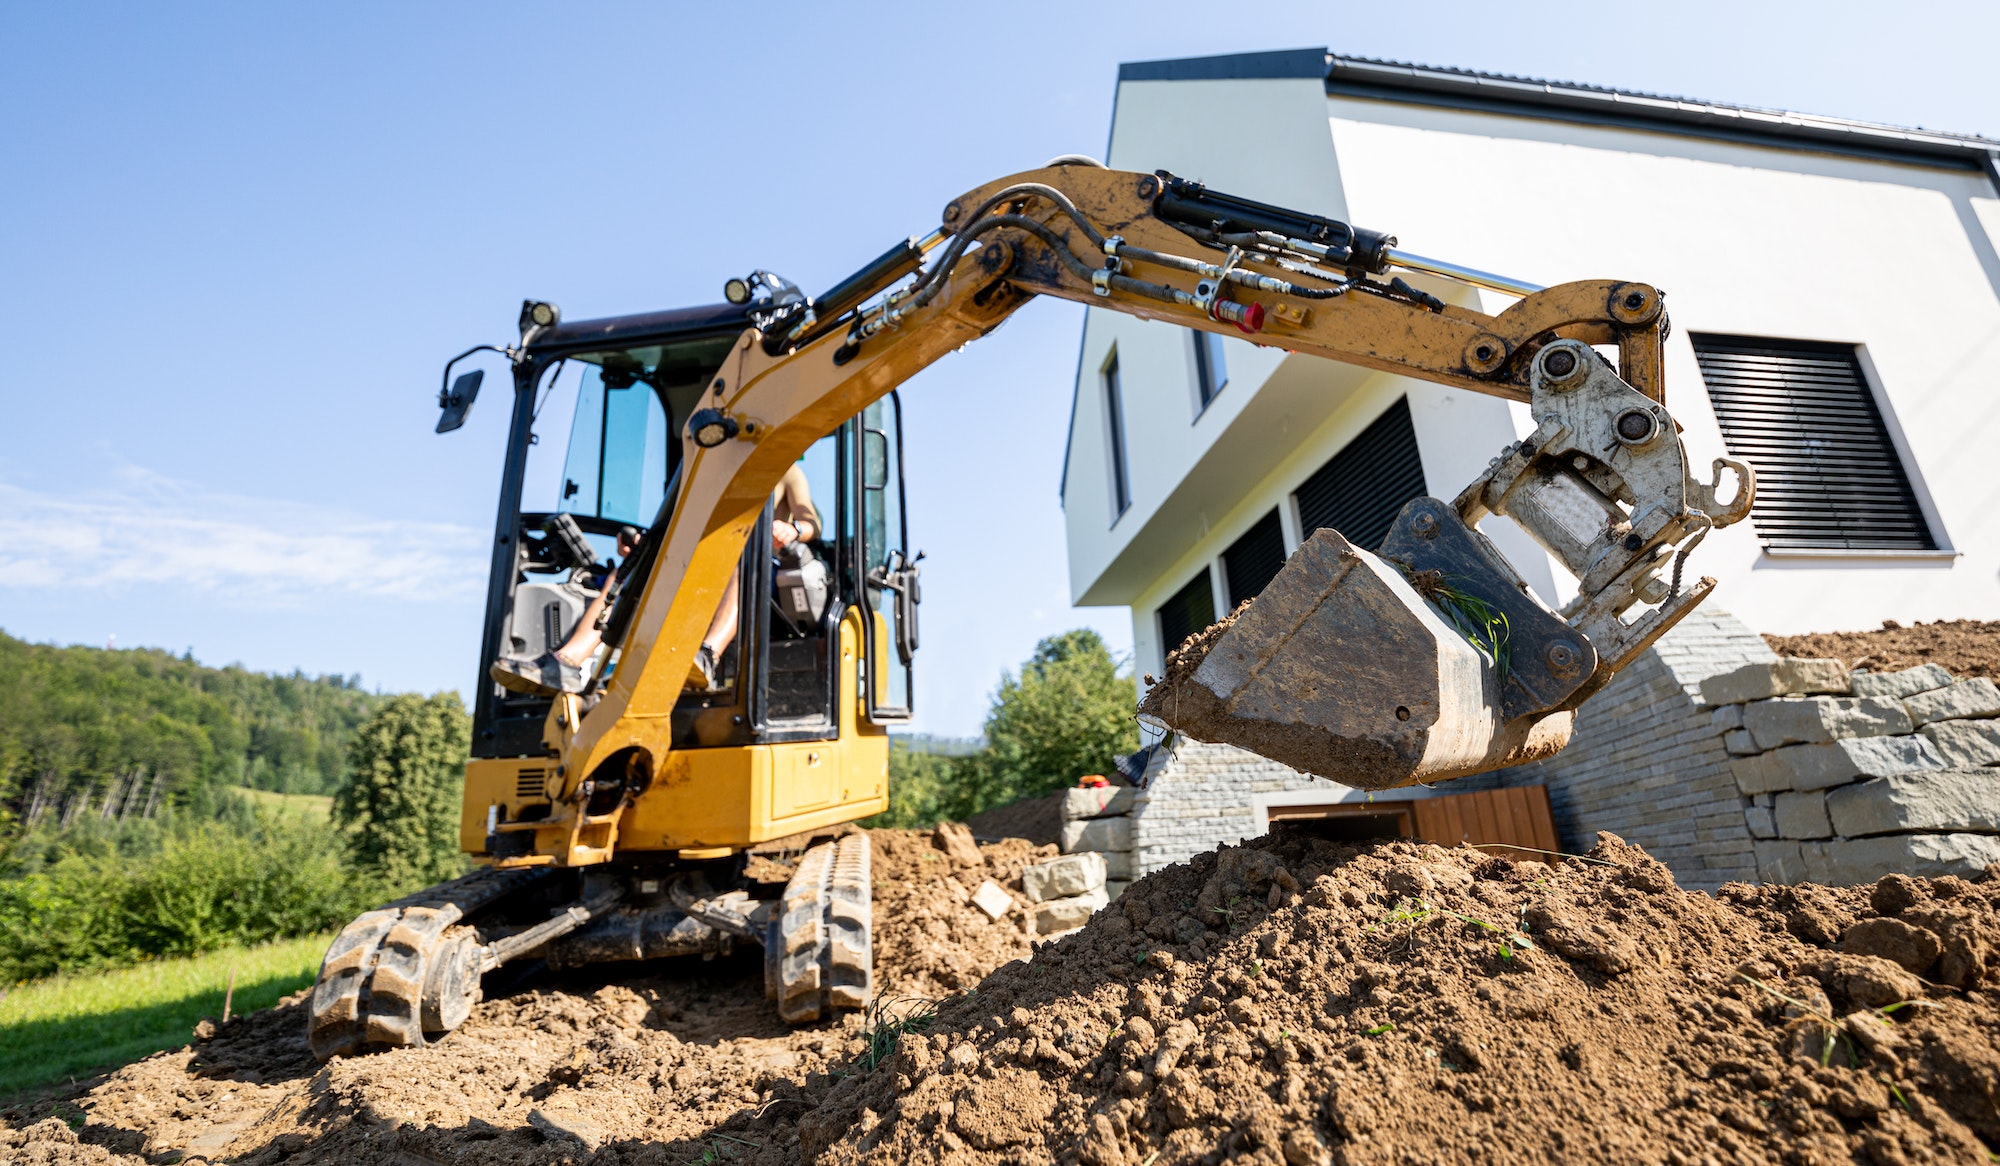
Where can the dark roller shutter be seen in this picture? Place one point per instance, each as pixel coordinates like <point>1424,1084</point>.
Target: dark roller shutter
<point>1828,477</point>
<point>1359,491</point>
<point>1191,609</point>
<point>1253,560</point>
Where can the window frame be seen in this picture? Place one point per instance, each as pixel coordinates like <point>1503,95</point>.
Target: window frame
<point>1894,449</point>
<point>1118,465</point>
<point>1206,347</point>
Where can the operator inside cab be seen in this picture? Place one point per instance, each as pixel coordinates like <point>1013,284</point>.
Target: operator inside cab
<point>800,575</point>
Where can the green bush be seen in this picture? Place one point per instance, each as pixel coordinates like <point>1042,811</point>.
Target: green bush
<point>1068,714</point>
<point>208,886</point>
<point>406,776</point>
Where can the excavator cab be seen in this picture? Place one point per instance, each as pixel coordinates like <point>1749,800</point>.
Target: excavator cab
<point>600,454</point>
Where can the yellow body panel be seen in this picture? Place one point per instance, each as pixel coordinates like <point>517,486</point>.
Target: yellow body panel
<point>723,797</point>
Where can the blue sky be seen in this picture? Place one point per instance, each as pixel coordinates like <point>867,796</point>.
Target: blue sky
<point>239,241</point>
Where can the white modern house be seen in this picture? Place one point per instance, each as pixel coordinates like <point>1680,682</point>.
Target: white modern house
<point>1834,290</point>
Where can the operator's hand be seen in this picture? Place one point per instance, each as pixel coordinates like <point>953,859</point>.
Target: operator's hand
<point>783,534</point>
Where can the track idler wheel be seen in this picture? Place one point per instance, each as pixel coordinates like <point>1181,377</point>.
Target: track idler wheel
<point>819,955</point>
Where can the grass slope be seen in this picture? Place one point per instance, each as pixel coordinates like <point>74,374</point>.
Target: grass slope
<point>71,1026</point>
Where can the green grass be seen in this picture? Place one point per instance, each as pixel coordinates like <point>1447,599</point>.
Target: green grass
<point>314,807</point>
<point>71,1026</point>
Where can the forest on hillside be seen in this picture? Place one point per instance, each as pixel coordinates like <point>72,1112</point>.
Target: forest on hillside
<point>126,734</point>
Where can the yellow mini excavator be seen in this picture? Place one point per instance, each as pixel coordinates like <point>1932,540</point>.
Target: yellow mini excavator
<point>721,534</point>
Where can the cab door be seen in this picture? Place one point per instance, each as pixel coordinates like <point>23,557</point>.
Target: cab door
<point>887,584</point>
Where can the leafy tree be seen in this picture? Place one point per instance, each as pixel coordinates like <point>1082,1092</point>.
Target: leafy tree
<point>401,801</point>
<point>1068,714</point>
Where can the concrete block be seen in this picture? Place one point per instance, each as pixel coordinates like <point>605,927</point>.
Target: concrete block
<point>1808,767</point>
<point>1097,834</point>
<point>1810,720</point>
<point>1729,716</point>
<point>1761,822</point>
<point>1965,744</point>
<point>1846,862</point>
<point>1072,874</point>
<point>1909,682</point>
<point>992,899</point>
<point>1117,864</point>
<point>1116,887</point>
<point>1738,742</point>
<point>1778,861</point>
<point>1802,815</point>
<point>1968,698</point>
<point>1949,799</point>
<point>1067,914</point>
<point>1771,678</point>
<point>1097,802</point>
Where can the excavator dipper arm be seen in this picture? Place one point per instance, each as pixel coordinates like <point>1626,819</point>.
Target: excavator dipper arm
<point>1428,660</point>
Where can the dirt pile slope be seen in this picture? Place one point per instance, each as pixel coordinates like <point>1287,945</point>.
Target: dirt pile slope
<point>1966,647</point>
<point>631,1063</point>
<point>1302,1002</point>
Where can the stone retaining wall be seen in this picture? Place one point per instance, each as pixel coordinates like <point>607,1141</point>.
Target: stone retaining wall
<point>1844,777</point>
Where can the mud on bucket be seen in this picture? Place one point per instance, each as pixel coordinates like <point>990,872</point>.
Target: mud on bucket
<point>1341,669</point>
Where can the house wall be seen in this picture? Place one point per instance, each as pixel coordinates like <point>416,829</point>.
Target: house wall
<point>1796,244</point>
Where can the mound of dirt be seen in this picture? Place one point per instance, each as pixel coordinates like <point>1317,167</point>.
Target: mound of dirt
<point>1966,647</point>
<point>1297,1001</point>
<point>1038,820</point>
<point>1289,1001</point>
<point>633,1062</point>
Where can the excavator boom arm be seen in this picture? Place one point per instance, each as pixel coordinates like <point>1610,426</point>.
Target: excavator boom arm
<point>1161,248</point>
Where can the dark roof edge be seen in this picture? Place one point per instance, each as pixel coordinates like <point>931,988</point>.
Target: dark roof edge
<point>1358,76</point>
<point>1301,63</point>
<point>1491,92</point>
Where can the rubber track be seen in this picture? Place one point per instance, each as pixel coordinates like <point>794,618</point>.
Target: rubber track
<point>370,988</point>
<point>825,932</point>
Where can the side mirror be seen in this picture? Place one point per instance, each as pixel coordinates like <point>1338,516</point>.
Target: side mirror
<point>456,402</point>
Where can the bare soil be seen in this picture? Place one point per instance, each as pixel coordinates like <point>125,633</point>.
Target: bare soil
<point>646,1061</point>
<point>1291,1000</point>
<point>1966,647</point>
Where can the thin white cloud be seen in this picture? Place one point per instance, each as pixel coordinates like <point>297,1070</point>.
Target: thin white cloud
<point>140,529</point>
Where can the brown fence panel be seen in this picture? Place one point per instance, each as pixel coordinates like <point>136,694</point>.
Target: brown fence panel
<point>1495,820</point>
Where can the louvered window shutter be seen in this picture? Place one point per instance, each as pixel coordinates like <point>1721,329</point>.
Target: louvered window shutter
<point>1191,609</point>
<point>1360,490</point>
<point>1800,412</point>
<point>1254,560</point>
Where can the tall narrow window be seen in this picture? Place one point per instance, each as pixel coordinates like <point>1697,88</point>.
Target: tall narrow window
<point>1186,612</point>
<point>1114,429</point>
<point>1361,489</point>
<point>1211,366</point>
<point>1801,414</point>
<point>1254,560</point>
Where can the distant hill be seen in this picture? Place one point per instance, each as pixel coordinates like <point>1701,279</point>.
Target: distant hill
<point>931,743</point>
<point>126,733</point>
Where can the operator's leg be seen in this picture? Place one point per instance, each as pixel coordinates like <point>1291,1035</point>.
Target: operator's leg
<point>721,634</point>
<point>585,639</point>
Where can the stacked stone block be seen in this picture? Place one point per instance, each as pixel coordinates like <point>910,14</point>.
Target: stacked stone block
<point>1098,820</point>
<point>1847,777</point>
<point>1065,891</point>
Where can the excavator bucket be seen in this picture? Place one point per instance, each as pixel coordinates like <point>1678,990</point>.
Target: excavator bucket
<point>1427,661</point>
